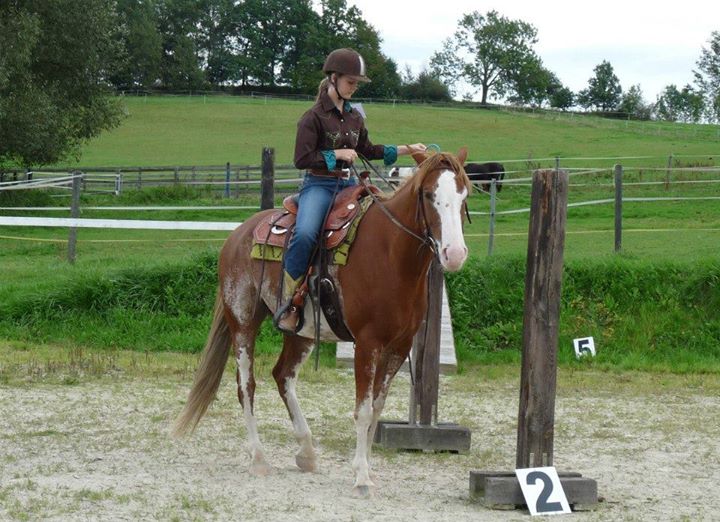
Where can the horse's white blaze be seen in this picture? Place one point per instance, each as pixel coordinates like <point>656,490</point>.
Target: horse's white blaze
<point>448,204</point>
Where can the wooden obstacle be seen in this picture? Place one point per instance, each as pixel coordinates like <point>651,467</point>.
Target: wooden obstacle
<point>433,351</point>
<point>536,417</point>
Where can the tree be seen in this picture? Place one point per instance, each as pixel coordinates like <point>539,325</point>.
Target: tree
<point>562,98</point>
<point>603,92</point>
<point>181,24</point>
<point>707,77</point>
<point>424,87</point>
<point>633,104</point>
<point>486,51</point>
<point>139,65</point>
<point>531,83</point>
<point>54,93</point>
<point>684,105</point>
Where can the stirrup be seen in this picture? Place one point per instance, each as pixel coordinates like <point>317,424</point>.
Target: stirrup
<point>287,309</point>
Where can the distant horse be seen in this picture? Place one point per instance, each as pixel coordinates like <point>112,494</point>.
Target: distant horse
<point>384,300</point>
<point>397,175</point>
<point>485,172</point>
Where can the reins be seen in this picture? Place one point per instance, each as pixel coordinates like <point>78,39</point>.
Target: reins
<point>426,240</point>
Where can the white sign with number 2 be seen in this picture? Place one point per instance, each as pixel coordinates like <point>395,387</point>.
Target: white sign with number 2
<point>543,491</point>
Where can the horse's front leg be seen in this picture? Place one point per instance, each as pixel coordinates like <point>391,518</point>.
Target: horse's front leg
<point>365,365</point>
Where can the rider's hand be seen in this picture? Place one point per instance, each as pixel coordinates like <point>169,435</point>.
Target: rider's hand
<point>346,155</point>
<point>411,149</point>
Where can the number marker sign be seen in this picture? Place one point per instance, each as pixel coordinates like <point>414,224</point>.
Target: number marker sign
<point>584,346</point>
<point>543,491</point>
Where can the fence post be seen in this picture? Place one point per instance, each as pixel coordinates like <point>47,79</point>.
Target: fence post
<point>618,207</point>
<point>227,179</point>
<point>139,178</point>
<point>541,319</point>
<point>74,213</point>
<point>118,182</point>
<point>667,172</point>
<point>267,199</point>
<point>493,198</point>
<point>176,175</point>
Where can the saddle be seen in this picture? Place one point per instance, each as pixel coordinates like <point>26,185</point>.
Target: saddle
<point>273,230</point>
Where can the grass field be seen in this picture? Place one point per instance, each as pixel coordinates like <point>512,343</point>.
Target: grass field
<point>197,130</point>
<point>214,130</point>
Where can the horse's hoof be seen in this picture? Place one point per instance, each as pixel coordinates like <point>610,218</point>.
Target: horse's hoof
<point>361,492</point>
<point>260,469</point>
<point>306,464</point>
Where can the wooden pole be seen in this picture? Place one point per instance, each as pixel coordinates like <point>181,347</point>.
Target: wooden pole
<point>618,207</point>
<point>227,179</point>
<point>426,355</point>
<point>74,213</point>
<point>546,239</point>
<point>667,172</point>
<point>268,178</point>
<point>493,199</point>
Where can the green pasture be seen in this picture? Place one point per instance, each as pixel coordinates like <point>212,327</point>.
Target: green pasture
<point>152,290</point>
<point>212,130</point>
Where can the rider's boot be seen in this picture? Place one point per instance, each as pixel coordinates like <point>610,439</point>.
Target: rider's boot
<point>287,316</point>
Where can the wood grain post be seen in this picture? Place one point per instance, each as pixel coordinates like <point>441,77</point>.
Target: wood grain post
<point>667,172</point>
<point>546,239</point>
<point>74,213</point>
<point>426,355</point>
<point>493,200</point>
<point>618,207</point>
<point>267,199</point>
<point>227,179</point>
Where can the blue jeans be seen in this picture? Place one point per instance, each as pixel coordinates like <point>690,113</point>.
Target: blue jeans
<point>315,198</point>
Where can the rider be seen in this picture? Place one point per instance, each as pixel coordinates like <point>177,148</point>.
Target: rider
<point>329,137</point>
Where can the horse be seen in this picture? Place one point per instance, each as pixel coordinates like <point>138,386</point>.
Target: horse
<point>486,172</point>
<point>383,289</point>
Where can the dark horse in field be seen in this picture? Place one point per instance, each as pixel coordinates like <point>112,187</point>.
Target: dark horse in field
<point>485,173</point>
<point>383,288</point>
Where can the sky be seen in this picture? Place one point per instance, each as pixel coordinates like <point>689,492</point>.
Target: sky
<point>653,44</point>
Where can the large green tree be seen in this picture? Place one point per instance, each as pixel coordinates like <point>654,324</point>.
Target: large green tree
<point>685,105</point>
<point>486,51</point>
<point>707,77</point>
<point>604,91</point>
<point>54,93</point>
<point>140,63</point>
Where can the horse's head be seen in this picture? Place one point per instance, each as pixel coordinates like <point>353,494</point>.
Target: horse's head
<point>443,187</point>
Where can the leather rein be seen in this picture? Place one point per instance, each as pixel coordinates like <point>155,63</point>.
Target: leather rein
<point>427,239</point>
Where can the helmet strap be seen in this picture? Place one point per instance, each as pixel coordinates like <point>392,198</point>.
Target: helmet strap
<point>334,84</point>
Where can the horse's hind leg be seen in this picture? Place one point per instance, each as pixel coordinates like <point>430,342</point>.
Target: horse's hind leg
<point>244,346</point>
<point>295,351</point>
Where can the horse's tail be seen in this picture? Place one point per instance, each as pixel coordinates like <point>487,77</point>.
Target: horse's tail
<point>209,373</point>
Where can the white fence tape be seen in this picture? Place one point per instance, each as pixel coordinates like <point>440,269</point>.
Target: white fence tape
<point>116,223</point>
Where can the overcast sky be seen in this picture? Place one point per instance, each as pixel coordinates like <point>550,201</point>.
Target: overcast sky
<point>651,44</point>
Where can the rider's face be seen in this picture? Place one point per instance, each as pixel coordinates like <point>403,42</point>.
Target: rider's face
<point>346,85</point>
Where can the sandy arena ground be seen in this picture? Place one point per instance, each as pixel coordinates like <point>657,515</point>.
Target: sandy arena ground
<point>98,449</point>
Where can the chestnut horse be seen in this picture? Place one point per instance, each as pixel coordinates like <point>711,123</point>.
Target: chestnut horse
<point>383,288</point>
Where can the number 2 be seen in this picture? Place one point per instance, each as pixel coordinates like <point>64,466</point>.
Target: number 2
<point>542,505</point>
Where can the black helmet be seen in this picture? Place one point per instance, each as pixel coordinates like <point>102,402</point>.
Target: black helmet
<point>346,61</point>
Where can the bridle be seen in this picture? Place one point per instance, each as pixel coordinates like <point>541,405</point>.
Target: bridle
<point>427,239</point>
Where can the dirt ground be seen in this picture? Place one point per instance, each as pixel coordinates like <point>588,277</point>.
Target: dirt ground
<point>98,449</point>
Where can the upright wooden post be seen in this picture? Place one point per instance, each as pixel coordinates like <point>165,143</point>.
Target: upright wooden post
<point>536,412</point>
<point>618,207</point>
<point>426,355</point>
<point>267,199</point>
<point>546,241</point>
<point>227,179</point>
<point>493,199</point>
<point>667,172</point>
<point>74,213</point>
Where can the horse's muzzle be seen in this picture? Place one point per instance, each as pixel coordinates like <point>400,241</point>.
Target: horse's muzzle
<point>452,258</point>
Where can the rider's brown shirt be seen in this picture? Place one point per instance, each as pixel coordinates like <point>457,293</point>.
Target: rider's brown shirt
<point>323,128</point>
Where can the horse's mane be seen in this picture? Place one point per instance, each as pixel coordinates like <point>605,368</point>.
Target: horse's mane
<point>436,161</point>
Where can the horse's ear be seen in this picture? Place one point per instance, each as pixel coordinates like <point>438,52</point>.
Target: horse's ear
<point>462,155</point>
<point>419,157</point>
